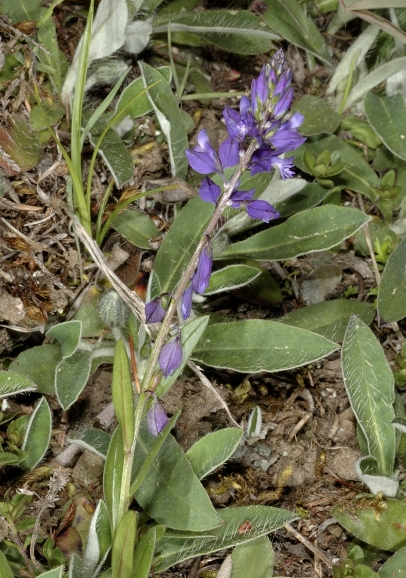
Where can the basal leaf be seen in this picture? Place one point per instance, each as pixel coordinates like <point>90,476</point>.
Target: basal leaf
<point>387,116</point>
<point>392,289</point>
<point>13,383</point>
<point>37,435</point>
<point>287,18</point>
<point>313,230</point>
<point>116,156</point>
<point>245,558</point>
<point>329,318</point>
<point>169,116</point>
<point>231,277</point>
<point>237,31</point>
<point>256,345</point>
<point>172,549</point>
<point>39,365</point>
<point>370,388</point>
<point>68,334</point>
<point>319,117</point>
<point>213,450</point>
<point>71,376</point>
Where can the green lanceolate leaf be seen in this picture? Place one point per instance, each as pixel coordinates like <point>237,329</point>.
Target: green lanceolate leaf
<point>313,230</point>
<point>144,554</point>
<point>256,345</point>
<point>245,559</point>
<point>329,318</point>
<point>231,277</point>
<point>171,493</point>
<point>112,476</point>
<point>37,435</point>
<point>287,18</point>
<point>68,334</point>
<point>179,245</point>
<point>169,116</point>
<point>319,117</point>
<point>370,387</point>
<point>236,31</point>
<point>307,197</point>
<point>122,553</point>
<point>123,397</point>
<point>384,531</point>
<point>357,175</point>
<point>387,116</point>
<point>392,289</point>
<point>190,334</point>
<point>137,227</point>
<point>262,520</point>
<point>213,450</point>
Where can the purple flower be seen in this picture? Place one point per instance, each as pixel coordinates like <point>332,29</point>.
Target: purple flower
<point>240,125</point>
<point>256,209</point>
<point>186,302</point>
<point>204,159</point>
<point>286,137</point>
<point>209,191</point>
<point>154,312</point>
<point>201,278</point>
<point>156,417</point>
<point>261,210</point>
<point>171,356</point>
<point>265,159</point>
<point>283,104</point>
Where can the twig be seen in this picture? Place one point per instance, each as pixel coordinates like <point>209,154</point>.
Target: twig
<point>30,242</point>
<point>207,384</point>
<point>129,297</point>
<point>316,551</point>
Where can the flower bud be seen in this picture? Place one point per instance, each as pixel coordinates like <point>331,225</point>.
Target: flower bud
<point>112,310</point>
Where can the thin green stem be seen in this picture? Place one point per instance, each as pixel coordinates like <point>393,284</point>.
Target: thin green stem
<point>185,77</point>
<point>76,126</point>
<point>183,283</point>
<point>174,73</point>
<point>102,208</point>
<point>125,494</point>
<point>211,95</point>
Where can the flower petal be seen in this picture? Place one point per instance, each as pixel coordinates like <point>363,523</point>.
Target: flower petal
<point>154,312</point>
<point>170,357</point>
<point>209,191</point>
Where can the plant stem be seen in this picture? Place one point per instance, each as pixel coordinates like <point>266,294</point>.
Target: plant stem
<point>125,494</point>
<point>184,281</point>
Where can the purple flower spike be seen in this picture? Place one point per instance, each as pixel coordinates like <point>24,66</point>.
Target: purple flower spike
<point>203,158</point>
<point>201,279</point>
<point>154,312</point>
<point>171,356</point>
<point>186,303</point>
<point>261,210</point>
<point>209,191</point>
<point>156,417</point>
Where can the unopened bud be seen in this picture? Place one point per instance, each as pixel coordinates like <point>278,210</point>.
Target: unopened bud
<point>112,310</point>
